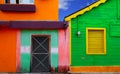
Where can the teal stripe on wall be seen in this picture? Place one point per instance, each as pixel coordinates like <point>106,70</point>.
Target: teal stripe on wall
<point>25,62</point>
<point>26,44</point>
<point>26,34</point>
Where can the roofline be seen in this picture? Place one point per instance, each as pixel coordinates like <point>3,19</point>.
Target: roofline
<point>82,11</point>
<point>34,24</point>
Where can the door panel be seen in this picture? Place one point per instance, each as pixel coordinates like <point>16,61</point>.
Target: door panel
<point>40,61</point>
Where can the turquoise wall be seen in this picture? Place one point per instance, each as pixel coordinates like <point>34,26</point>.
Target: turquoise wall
<point>26,44</point>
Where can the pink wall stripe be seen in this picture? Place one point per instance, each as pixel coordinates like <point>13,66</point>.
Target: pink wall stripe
<point>63,50</point>
<point>68,47</point>
<point>18,52</point>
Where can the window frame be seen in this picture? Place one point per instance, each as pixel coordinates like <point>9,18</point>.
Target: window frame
<point>6,1</point>
<point>18,2</point>
<point>87,30</point>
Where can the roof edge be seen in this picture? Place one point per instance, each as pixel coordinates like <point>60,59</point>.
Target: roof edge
<point>80,12</point>
<point>34,24</point>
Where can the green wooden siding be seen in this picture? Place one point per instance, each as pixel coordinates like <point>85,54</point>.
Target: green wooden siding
<point>100,17</point>
<point>118,3</point>
<point>26,44</point>
<point>115,30</point>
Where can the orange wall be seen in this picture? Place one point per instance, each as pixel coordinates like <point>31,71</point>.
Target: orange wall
<point>45,10</point>
<point>8,50</point>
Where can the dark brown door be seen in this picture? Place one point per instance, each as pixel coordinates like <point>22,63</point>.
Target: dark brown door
<point>40,56</point>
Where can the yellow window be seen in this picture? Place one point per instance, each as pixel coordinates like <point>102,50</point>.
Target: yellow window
<point>96,41</point>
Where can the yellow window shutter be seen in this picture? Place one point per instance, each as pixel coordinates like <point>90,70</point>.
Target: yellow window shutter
<point>96,41</point>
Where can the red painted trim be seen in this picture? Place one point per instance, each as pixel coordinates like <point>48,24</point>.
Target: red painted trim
<point>18,52</point>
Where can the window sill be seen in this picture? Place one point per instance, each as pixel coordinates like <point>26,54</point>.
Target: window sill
<point>17,8</point>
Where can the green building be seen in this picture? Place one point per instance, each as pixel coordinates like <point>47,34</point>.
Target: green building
<point>95,37</point>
